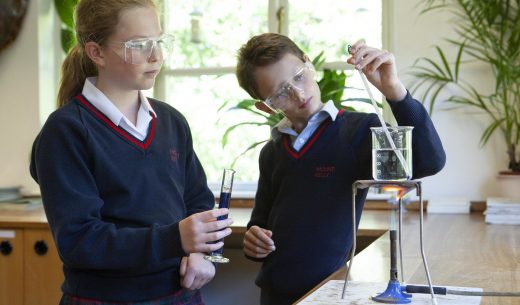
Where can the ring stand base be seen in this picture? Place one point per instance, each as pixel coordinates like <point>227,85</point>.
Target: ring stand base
<point>393,294</point>
<point>217,258</point>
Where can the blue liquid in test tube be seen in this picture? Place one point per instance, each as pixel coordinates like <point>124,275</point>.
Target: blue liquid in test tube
<point>225,196</point>
<point>224,203</point>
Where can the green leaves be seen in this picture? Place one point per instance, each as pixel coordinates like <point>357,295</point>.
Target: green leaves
<point>332,85</point>
<point>65,9</point>
<point>489,33</point>
<point>68,39</point>
<point>435,76</point>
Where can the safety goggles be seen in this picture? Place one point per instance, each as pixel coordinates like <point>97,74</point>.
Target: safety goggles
<point>294,87</point>
<point>139,51</point>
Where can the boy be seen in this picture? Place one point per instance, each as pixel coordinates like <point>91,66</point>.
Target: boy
<point>300,225</point>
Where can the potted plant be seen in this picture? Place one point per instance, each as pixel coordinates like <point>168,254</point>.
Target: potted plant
<point>332,87</point>
<point>489,33</point>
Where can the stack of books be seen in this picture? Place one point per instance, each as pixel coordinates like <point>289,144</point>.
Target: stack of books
<point>11,199</point>
<point>448,205</point>
<point>9,193</point>
<point>24,204</point>
<point>503,211</point>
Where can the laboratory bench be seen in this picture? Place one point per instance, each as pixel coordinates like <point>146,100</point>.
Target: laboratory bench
<point>31,272</point>
<point>461,250</point>
<point>30,268</point>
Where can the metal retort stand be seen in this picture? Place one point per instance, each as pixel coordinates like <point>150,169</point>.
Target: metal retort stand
<point>394,293</point>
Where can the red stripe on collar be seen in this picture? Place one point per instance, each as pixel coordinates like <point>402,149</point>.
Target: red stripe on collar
<point>119,130</point>
<point>308,145</point>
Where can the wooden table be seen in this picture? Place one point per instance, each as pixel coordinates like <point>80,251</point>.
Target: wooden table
<point>462,250</point>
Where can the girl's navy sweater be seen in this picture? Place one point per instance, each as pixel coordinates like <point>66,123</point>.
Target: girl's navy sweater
<point>114,202</point>
<point>305,197</point>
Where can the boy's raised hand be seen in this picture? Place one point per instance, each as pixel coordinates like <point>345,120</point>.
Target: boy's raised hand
<point>380,69</point>
<point>201,228</point>
<point>258,242</point>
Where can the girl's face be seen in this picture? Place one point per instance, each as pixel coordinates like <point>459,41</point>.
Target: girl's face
<point>136,24</point>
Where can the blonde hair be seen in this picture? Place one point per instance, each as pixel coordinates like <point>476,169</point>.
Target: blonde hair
<point>95,21</point>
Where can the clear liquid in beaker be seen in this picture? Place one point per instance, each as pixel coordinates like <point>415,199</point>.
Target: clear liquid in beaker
<point>387,166</point>
<point>392,160</point>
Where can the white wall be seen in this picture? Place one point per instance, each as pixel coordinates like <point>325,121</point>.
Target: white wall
<point>470,171</point>
<point>29,72</point>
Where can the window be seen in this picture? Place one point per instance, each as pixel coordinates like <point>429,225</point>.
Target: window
<point>199,79</point>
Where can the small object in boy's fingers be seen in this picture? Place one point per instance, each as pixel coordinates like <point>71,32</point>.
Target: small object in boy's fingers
<point>349,49</point>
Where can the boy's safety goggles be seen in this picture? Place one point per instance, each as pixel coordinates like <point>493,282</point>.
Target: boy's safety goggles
<point>294,87</point>
<point>140,50</point>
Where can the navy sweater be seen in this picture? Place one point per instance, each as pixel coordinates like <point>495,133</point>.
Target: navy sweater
<point>305,197</point>
<point>114,202</point>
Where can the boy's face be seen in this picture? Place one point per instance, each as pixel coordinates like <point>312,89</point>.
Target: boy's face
<point>289,86</point>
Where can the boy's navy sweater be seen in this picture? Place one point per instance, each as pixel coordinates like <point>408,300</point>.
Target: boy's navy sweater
<point>114,202</point>
<point>305,197</point>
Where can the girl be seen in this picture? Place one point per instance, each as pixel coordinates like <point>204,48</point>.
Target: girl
<point>124,193</point>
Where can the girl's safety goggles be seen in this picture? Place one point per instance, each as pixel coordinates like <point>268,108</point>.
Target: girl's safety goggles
<point>139,51</point>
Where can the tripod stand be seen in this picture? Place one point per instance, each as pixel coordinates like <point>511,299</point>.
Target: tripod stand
<point>393,294</point>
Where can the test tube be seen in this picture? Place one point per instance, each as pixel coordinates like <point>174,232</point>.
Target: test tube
<point>225,195</point>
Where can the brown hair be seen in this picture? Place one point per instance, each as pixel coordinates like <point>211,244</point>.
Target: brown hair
<point>262,50</point>
<point>95,21</point>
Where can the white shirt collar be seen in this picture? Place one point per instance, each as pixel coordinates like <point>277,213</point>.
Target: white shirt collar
<point>330,109</point>
<point>285,126</point>
<point>103,104</point>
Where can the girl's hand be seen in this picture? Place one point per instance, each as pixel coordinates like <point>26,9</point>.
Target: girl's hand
<point>199,229</point>
<point>380,69</point>
<point>195,271</point>
<point>258,242</point>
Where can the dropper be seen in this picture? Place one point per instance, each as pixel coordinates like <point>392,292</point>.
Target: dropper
<point>381,120</point>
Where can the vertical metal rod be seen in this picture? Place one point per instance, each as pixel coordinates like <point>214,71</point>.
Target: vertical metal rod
<point>393,256</point>
<point>400,240</point>
<point>434,300</point>
<point>353,250</point>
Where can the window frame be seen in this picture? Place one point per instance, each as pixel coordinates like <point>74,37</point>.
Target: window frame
<point>278,12</point>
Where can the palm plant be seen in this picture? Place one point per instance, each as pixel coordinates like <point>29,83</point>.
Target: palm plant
<point>331,84</point>
<point>489,33</point>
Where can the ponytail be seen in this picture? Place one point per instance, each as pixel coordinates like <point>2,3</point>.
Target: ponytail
<point>75,69</point>
<point>95,20</point>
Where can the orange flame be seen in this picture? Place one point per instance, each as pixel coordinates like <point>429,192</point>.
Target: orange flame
<point>401,191</point>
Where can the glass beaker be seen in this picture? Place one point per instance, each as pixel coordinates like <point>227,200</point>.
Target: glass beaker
<point>392,161</point>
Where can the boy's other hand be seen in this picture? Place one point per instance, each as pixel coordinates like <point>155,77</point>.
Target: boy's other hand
<point>379,66</point>
<point>258,242</point>
<point>195,271</point>
<point>201,228</point>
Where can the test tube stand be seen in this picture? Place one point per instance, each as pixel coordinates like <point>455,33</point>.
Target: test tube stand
<point>406,186</point>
